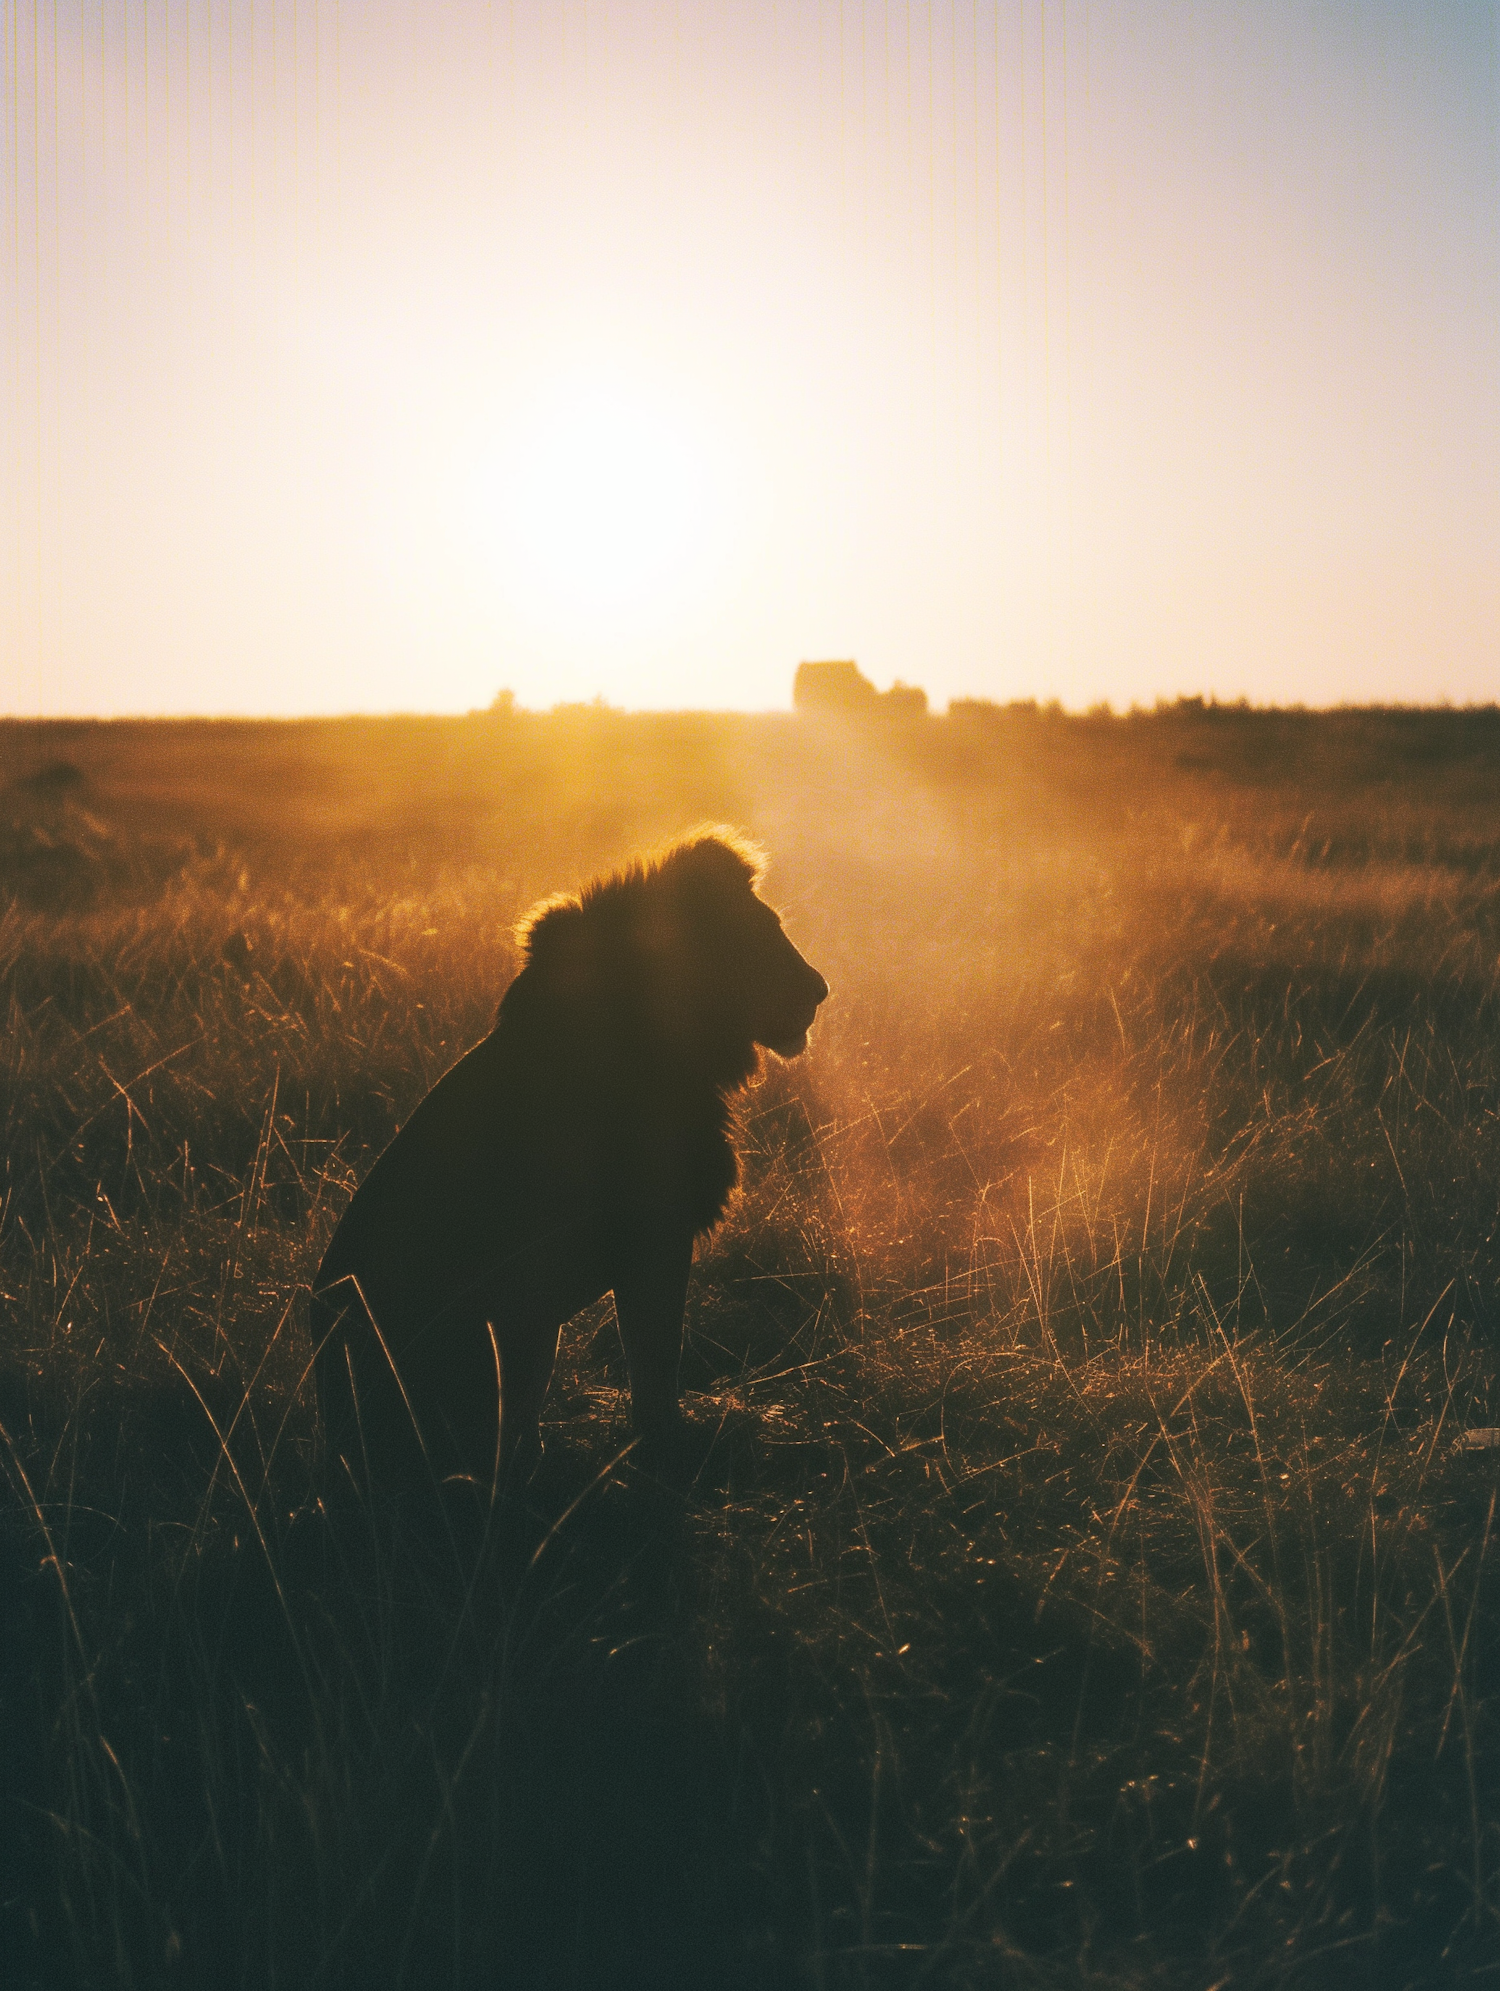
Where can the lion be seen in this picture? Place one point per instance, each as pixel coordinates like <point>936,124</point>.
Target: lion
<point>581,1148</point>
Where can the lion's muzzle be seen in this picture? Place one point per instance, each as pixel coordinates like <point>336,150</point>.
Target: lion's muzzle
<point>788,1039</point>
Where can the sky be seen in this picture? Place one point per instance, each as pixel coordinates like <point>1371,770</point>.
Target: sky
<point>377,355</point>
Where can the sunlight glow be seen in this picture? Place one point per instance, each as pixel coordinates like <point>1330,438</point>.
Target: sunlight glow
<point>598,502</point>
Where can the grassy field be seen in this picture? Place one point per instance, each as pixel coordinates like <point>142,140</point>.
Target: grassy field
<point>1093,1576</point>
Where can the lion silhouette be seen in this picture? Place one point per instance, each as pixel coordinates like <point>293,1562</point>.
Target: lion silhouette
<point>579,1149</point>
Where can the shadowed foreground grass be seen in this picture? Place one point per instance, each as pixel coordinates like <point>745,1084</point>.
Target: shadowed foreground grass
<point>1091,1573</point>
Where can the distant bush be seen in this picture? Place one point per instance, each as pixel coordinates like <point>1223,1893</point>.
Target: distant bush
<point>841,689</point>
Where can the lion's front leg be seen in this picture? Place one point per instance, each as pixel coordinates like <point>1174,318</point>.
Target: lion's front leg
<point>649,1302</point>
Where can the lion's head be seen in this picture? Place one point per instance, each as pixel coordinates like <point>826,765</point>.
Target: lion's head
<point>679,950</point>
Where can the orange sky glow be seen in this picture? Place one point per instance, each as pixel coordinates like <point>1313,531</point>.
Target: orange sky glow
<point>371,355</point>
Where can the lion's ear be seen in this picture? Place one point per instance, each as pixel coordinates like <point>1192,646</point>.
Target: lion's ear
<point>556,942</point>
<point>543,919</point>
<point>718,858</point>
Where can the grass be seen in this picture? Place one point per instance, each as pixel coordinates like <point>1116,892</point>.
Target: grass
<point>1087,1583</point>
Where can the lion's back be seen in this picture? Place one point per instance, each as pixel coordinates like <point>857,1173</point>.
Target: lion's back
<point>456,1154</point>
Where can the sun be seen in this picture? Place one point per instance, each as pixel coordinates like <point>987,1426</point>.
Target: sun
<point>598,502</point>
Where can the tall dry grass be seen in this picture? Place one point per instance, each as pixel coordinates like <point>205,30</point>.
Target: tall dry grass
<point>1088,1580</point>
